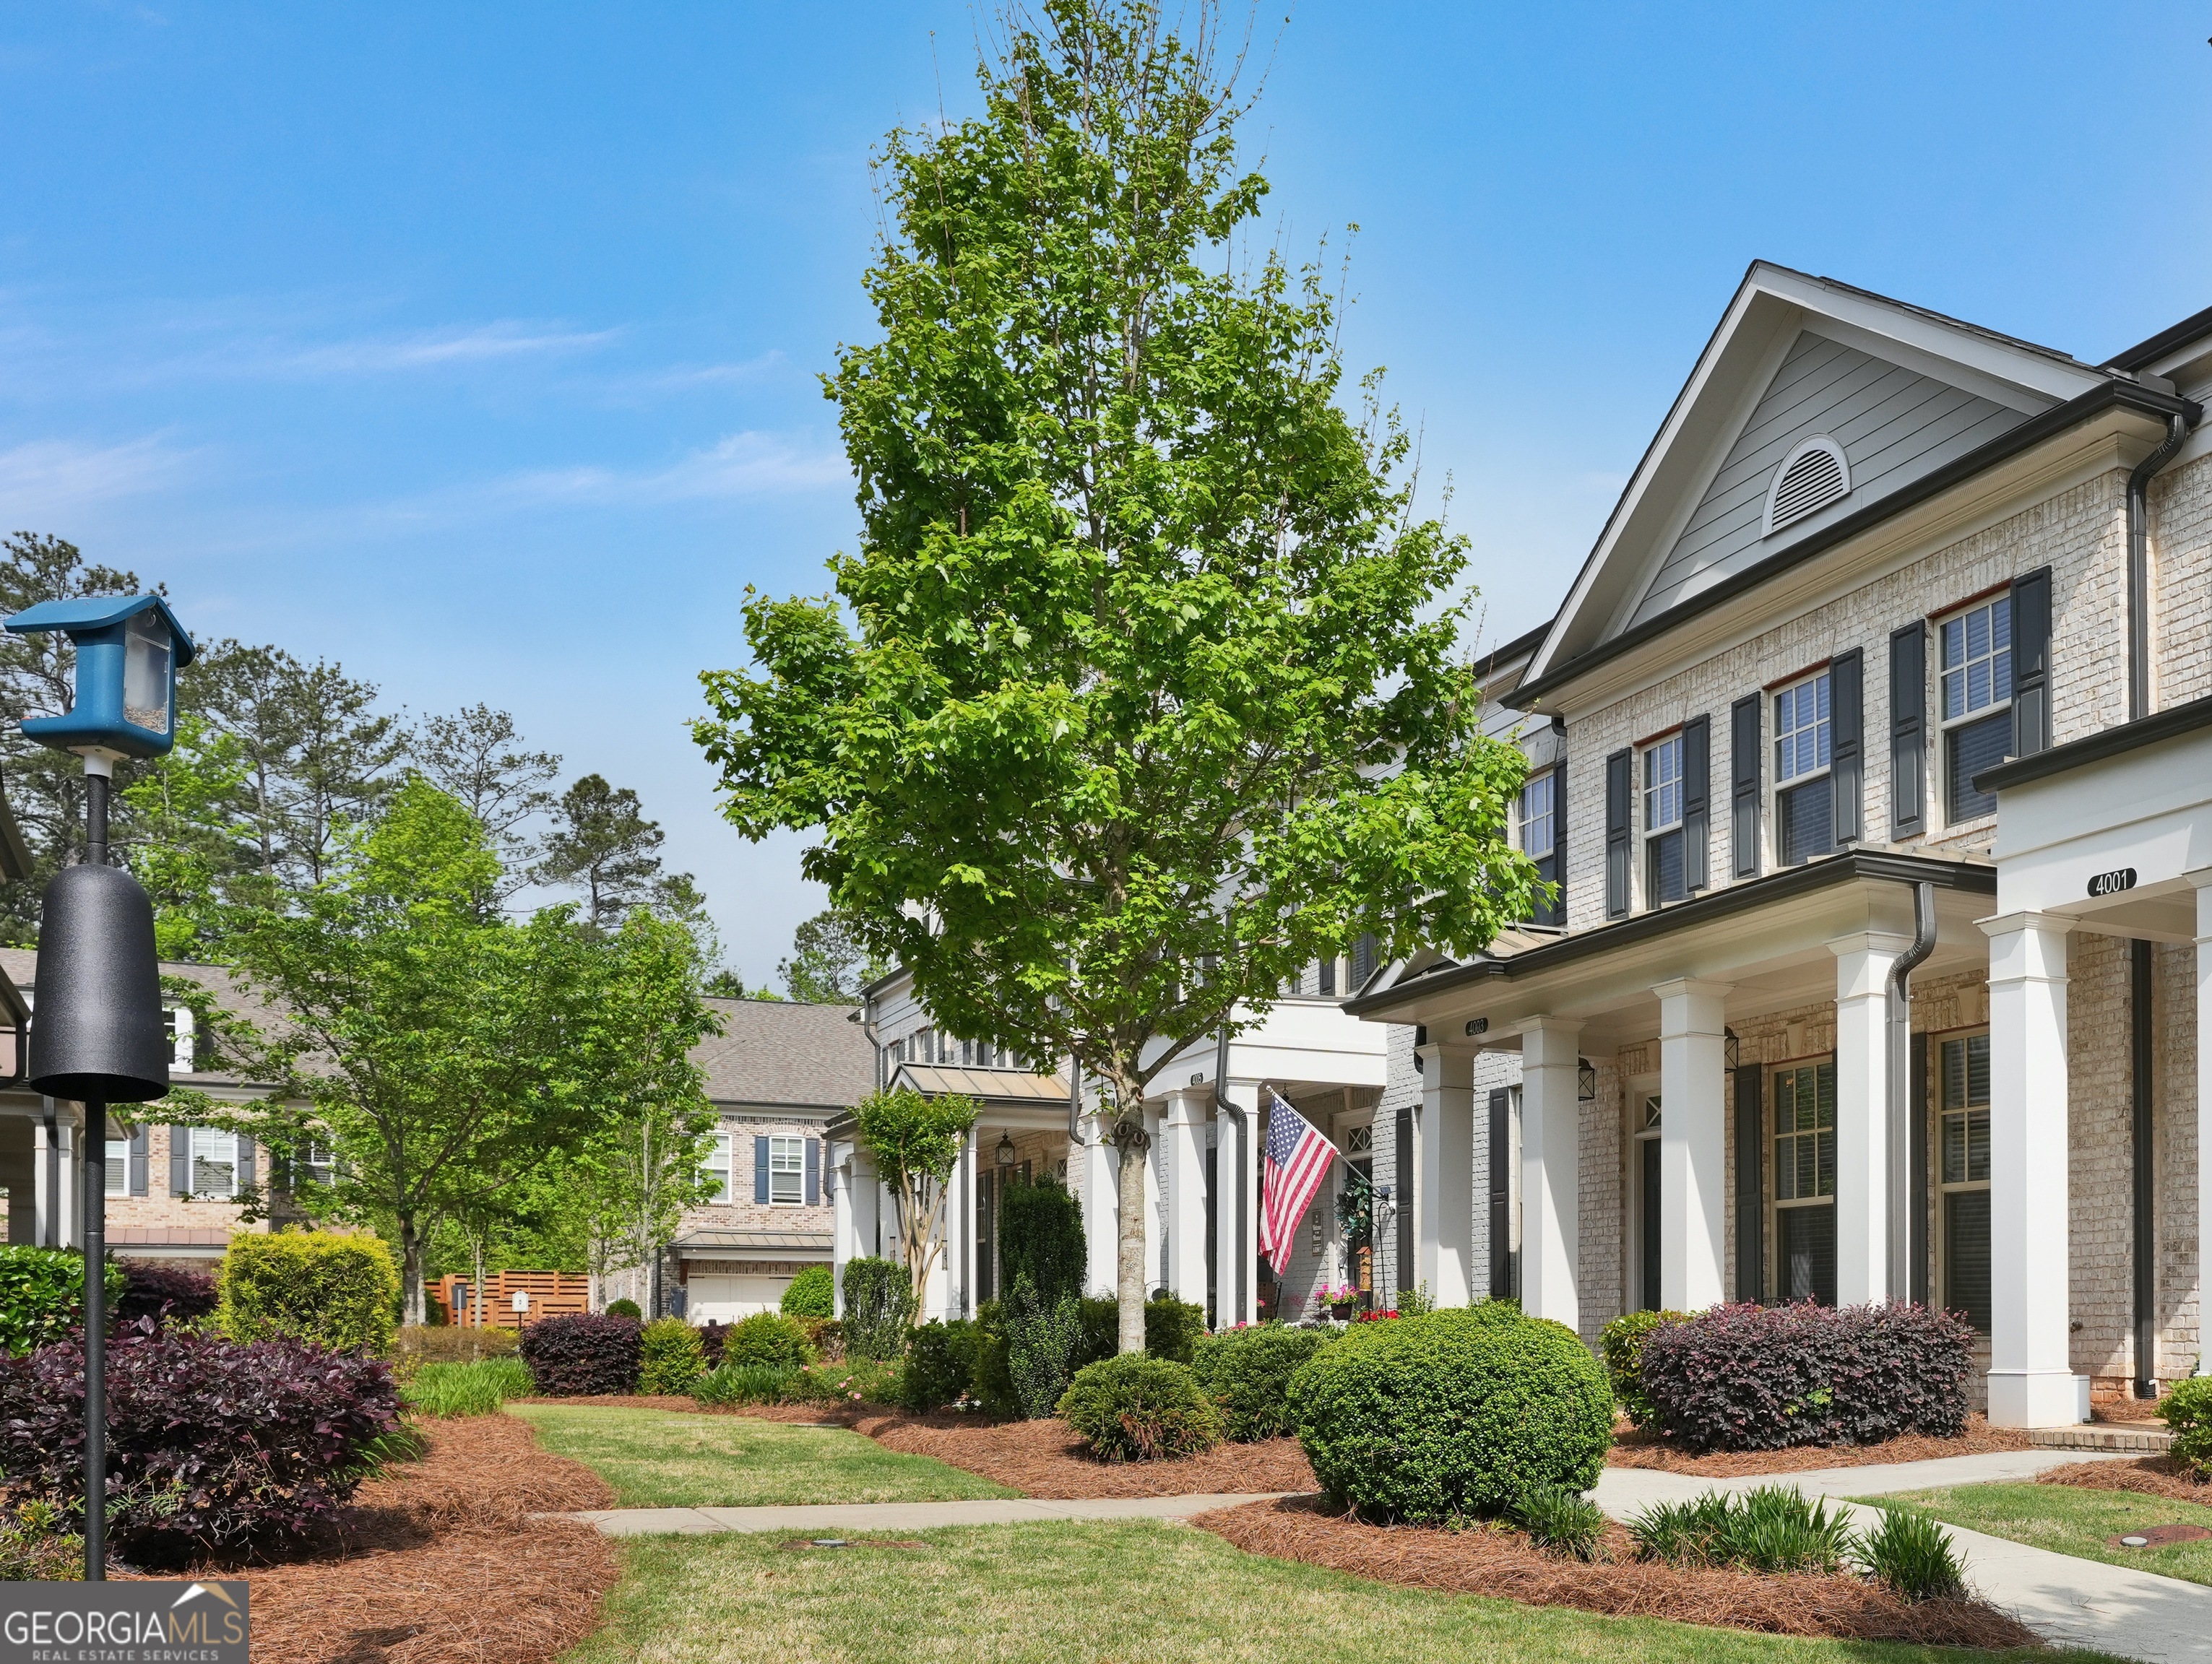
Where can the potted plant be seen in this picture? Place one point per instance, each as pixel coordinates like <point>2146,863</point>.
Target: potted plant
<point>1342,1299</point>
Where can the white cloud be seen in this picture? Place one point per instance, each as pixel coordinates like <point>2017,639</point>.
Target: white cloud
<point>42,477</point>
<point>434,348</point>
<point>748,464</point>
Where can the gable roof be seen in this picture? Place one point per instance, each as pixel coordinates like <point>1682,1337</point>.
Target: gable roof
<point>781,1052</point>
<point>1909,397</point>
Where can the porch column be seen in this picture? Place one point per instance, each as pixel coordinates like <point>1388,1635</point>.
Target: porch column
<point>1237,1217</point>
<point>1551,1177</point>
<point>1097,1191</point>
<point>1156,1197</point>
<point>1447,1223</point>
<point>2030,1362</point>
<point>847,1240</point>
<point>1184,1131</point>
<point>1692,1145</point>
<point>55,1180</point>
<point>1863,962</point>
<point>2203,880</point>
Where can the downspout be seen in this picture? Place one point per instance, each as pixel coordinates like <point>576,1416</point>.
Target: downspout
<point>1907,1227</point>
<point>2140,1128</point>
<point>2177,430</point>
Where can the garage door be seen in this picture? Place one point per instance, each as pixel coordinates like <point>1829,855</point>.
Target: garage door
<point>723,1299</point>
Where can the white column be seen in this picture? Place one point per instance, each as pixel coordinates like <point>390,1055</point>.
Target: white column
<point>844,1236</point>
<point>1447,1224</point>
<point>2030,1365</point>
<point>1156,1197</point>
<point>1863,962</point>
<point>1235,1169</point>
<point>1692,1145</point>
<point>2203,881</point>
<point>1099,1191</point>
<point>1551,1175</point>
<point>1185,1134</point>
<point>57,1180</point>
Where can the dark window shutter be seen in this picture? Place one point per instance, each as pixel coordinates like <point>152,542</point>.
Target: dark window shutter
<point>1363,960</point>
<point>1908,730</point>
<point>1328,974</point>
<point>1557,912</point>
<point>1847,749</point>
<point>1618,783</point>
<point>1750,1186</point>
<point>760,1170</point>
<point>1918,1185</point>
<point>813,1172</point>
<point>1745,749</point>
<point>180,1161</point>
<point>247,1178</point>
<point>2031,663</point>
<point>137,1166</point>
<point>1501,1194</point>
<point>1697,803</point>
<point>1405,1196</point>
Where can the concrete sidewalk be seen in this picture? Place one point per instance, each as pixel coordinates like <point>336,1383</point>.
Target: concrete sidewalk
<point>828,1518</point>
<point>2075,1602</point>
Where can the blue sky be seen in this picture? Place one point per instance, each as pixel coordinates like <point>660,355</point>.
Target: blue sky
<point>475,347</point>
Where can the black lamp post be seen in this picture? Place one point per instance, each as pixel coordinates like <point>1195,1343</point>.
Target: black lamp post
<point>96,1034</point>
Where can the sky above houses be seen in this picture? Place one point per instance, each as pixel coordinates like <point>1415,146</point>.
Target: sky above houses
<point>477,347</point>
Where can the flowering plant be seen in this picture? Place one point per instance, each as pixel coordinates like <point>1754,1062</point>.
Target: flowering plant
<point>1335,1294</point>
<point>1373,1317</point>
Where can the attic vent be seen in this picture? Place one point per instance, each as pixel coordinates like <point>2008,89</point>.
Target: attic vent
<point>1811,478</point>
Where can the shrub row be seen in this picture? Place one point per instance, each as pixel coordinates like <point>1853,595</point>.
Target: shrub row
<point>1765,1377</point>
<point>42,1295</point>
<point>331,1288</point>
<point>1246,1372</point>
<point>2188,1411</point>
<point>583,1354</point>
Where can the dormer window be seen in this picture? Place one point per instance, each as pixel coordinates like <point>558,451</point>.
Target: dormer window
<point>1810,477</point>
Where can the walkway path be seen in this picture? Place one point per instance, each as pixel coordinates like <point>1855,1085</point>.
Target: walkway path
<point>828,1518</point>
<point>2076,1602</point>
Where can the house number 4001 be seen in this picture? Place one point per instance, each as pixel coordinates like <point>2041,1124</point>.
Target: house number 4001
<point>2111,883</point>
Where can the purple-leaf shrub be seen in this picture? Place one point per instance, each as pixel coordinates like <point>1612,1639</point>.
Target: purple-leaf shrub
<point>586,1353</point>
<point>160,1291</point>
<point>1765,1377</point>
<point>212,1446</point>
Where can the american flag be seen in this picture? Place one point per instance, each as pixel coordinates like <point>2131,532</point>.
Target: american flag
<point>1297,1158</point>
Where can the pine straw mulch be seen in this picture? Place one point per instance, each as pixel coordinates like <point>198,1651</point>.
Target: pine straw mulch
<point>2153,1476</point>
<point>439,1562</point>
<point>1643,1447</point>
<point>1503,1564</point>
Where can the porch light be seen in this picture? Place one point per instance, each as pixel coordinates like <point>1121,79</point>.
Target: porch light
<point>1005,1153</point>
<point>1585,1080</point>
<point>1731,1049</point>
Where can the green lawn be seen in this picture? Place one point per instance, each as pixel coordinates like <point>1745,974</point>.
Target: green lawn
<point>1127,1592</point>
<point>659,1459</point>
<point>2071,1520</point>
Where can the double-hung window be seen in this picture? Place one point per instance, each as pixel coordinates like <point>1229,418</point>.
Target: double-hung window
<point>718,1166</point>
<point>787,1171</point>
<point>1976,670</point>
<point>1805,1183</point>
<point>1540,826</point>
<point>1664,878</point>
<point>118,1167</point>
<point>1804,803</point>
<point>1966,1185</point>
<point>214,1161</point>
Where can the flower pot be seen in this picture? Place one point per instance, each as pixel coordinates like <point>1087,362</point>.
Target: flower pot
<point>1342,1310</point>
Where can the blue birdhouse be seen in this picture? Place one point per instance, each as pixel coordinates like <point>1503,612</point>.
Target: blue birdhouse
<point>128,650</point>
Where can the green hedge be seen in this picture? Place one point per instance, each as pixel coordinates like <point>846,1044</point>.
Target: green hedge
<point>766,1338</point>
<point>1136,1407</point>
<point>941,1365</point>
<point>1247,1372</point>
<point>42,1295</point>
<point>1452,1416</point>
<point>1041,1237</point>
<point>337,1291</point>
<point>671,1357</point>
<point>2188,1411</point>
<point>1623,1344</point>
<point>878,1308</point>
<point>812,1293</point>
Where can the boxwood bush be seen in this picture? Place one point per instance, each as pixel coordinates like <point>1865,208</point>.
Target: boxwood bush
<point>670,1357</point>
<point>941,1365</point>
<point>878,1308</point>
<point>1247,1373</point>
<point>1452,1415</point>
<point>2188,1411</point>
<point>1765,1377</point>
<point>1622,1342</point>
<point>768,1338</point>
<point>212,1446</point>
<point>812,1293</point>
<point>582,1354</point>
<point>332,1288</point>
<point>1136,1407</point>
<point>42,1295</point>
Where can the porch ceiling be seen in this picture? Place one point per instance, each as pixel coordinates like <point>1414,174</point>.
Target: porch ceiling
<point>1768,938</point>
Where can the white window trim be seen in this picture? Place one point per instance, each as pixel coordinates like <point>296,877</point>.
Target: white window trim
<point>1939,1269</point>
<point>1946,725</point>
<point>721,1159</point>
<point>1551,814</point>
<point>192,1136</point>
<point>798,1171</point>
<point>109,1157</point>
<point>1767,528</point>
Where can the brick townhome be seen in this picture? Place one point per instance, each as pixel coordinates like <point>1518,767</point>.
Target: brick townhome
<point>1891,668</point>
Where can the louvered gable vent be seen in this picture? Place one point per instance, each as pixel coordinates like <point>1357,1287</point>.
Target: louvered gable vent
<point>1811,478</point>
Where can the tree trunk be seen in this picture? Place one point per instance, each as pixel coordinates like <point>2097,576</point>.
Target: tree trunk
<point>476,1289</point>
<point>1129,1219</point>
<point>411,1271</point>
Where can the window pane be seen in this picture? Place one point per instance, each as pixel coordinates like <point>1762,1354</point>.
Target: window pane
<point>1970,750</point>
<point>1666,874</point>
<point>1807,1270</point>
<point>1977,1077</point>
<point>1954,645</point>
<point>1977,1147</point>
<point>1955,1148</point>
<point>214,1158</point>
<point>786,1164</point>
<point>1954,693</point>
<point>118,1167</point>
<point>1967,1255</point>
<point>1808,821</point>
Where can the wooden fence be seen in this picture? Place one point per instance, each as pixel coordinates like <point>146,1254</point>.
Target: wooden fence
<point>542,1294</point>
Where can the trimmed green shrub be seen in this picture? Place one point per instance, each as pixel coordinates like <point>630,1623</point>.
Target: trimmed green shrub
<point>625,1308</point>
<point>1912,1554</point>
<point>582,1355</point>
<point>1560,1522</point>
<point>2188,1411</point>
<point>670,1357</point>
<point>825,1336</point>
<point>1137,1407</point>
<point>466,1389</point>
<point>1101,1317</point>
<point>812,1293</point>
<point>1042,1343</point>
<point>338,1290</point>
<point>42,1295</point>
<point>1247,1372</point>
<point>766,1338</point>
<point>1041,1237</point>
<point>941,1365</point>
<point>1453,1415</point>
<point>878,1308</point>
<point>1623,1344</point>
<point>1173,1327</point>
